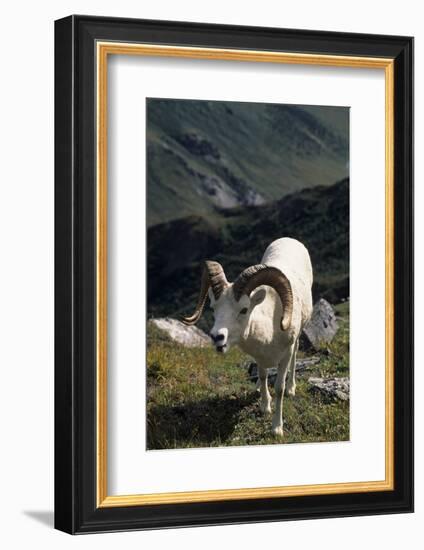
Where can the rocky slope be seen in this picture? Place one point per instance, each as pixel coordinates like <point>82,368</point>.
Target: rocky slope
<point>204,156</point>
<point>238,237</point>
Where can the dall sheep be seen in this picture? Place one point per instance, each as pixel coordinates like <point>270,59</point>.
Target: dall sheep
<point>263,312</point>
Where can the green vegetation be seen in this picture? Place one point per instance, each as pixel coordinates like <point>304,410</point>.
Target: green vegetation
<point>197,398</point>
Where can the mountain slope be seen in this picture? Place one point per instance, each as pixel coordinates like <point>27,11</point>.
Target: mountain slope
<point>237,238</point>
<point>208,155</point>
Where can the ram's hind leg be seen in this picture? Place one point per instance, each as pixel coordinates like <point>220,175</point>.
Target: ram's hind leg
<point>283,367</point>
<point>291,375</point>
<point>265,404</point>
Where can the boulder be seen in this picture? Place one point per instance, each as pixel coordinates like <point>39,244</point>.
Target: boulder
<point>321,328</point>
<point>191,337</point>
<point>332,389</point>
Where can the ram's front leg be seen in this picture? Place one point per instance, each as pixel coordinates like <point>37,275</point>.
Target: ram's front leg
<point>291,375</point>
<point>283,367</point>
<point>265,404</point>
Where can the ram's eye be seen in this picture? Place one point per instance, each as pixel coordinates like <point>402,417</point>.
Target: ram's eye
<point>243,311</point>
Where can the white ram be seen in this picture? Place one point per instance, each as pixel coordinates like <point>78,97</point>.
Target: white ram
<point>263,312</point>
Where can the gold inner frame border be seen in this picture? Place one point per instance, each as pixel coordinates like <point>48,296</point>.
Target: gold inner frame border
<point>103,50</point>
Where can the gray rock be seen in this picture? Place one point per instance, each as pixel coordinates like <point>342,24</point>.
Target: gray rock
<point>301,365</point>
<point>321,328</point>
<point>307,363</point>
<point>191,337</point>
<point>331,388</point>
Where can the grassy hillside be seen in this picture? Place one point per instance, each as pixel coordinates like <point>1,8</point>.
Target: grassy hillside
<point>318,217</point>
<point>208,155</point>
<point>199,398</point>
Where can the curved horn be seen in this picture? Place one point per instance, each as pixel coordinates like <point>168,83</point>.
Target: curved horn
<point>212,276</point>
<point>261,274</point>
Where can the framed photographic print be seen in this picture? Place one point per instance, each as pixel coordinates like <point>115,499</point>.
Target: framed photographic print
<point>233,266</point>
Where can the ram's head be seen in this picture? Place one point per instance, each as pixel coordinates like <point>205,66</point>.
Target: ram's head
<point>233,303</point>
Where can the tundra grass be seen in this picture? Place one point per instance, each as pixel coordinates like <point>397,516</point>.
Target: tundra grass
<point>198,398</point>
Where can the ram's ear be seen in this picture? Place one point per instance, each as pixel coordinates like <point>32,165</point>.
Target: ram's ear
<point>257,297</point>
<point>211,297</point>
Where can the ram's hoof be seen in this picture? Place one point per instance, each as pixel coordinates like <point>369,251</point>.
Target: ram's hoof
<point>291,392</point>
<point>278,431</point>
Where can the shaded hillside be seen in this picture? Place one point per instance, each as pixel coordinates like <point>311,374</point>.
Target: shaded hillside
<point>237,238</point>
<point>203,156</point>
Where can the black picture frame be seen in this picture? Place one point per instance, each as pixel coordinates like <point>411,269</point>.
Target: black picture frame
<point>76,509</point>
